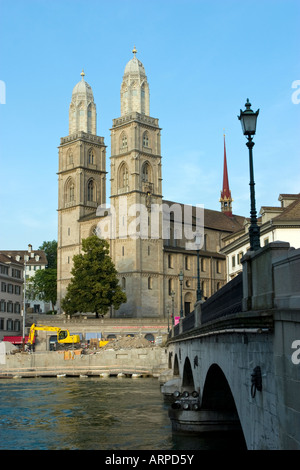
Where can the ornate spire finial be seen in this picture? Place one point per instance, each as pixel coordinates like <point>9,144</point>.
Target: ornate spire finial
<point>134,51</point>
<point>82,74</point>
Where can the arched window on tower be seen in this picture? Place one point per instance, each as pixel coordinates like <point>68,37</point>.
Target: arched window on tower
<point>123,141</point>
<point>90,190</point>
<point>123,177</point>
<point>72,192</point>
<point>91,156</point>
<point>69,193</point>
<point>146,139</point>
<point>146,172</point>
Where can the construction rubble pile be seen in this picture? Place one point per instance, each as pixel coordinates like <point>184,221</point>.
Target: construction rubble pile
<point>128,342</point>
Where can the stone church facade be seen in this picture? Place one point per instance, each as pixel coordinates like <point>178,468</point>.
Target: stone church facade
<point>148,236</point>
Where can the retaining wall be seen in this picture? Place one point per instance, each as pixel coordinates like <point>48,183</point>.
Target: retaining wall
<point>142,361</point>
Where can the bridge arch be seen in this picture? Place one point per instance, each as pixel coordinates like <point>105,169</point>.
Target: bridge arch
<point>217,397</point>
<point>187,376</point>
<point>176,366</point>
<point>217,394</point>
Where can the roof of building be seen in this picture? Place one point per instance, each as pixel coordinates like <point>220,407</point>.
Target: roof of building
<point>134,66</point>
<point>217,220</point>
<point>83,88</point>
<point>7,259</point>
<point>18,256</point>
<point>214,220</point>
<point>291,212</point>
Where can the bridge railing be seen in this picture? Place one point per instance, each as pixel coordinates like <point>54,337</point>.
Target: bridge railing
<point>226,301</point>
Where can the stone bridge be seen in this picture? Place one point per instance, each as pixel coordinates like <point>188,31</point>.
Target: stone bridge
<point>239,352</point>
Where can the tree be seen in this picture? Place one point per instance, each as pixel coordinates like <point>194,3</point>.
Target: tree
<point>50,249</point>
<point>94,286</point>
<point>43,285</point>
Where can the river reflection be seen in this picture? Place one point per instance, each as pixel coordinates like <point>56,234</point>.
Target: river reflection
<point>89,414</point>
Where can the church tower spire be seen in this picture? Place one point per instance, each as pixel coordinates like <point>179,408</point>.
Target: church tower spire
<point>81,179</point>
<point>136,192</point>
<point>226,199</point>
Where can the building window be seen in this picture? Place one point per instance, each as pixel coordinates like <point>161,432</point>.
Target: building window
<point>2,306</point>
<point>240,255</point>
<point>233,261</point>
<point>123,250</point>
<point>203,264</point>
<point>17,290</point>
<point>91,156</point>
<point>187,263</point>
<point>17,308</point>
<point>9,307</point>
<point>90,190</point>
<point>123,176</point>
<point>72,193</point>
<point>124,141</point>
<point>4,270</point>
<point>170,286</point>
<point>266,241</point>
<point>219,266</point>
<point>16,273</point>
<point>146,173</point>
<point>145,139</point>
<point>123,283</point>
<point>149,282</point>
<point>170,261</point>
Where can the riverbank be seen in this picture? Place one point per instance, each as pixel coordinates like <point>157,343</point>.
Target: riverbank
<point>133,362</point>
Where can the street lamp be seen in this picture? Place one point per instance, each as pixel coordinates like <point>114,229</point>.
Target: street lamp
<point>26,258</point>
<point>248,121</point>
<point>199,293</point>
<point>180,275</point>
<point>173,296</point>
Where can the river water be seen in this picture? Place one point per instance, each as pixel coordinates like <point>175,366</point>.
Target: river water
<point>91,414</point>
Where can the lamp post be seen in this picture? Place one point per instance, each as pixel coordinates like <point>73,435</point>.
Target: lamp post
<point>199,293</point>
<point>248,121</point>
<point>180,275</point>
<point>26,258</point>
<point>168,314</point>
<point>173,296</point>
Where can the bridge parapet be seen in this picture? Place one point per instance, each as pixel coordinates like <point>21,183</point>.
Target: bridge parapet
<point>258,275</point>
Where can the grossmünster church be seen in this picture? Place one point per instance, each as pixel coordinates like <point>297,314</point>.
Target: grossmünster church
<point>148,246</point>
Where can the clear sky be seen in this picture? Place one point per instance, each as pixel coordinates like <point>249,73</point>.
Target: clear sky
<point>203,59</point>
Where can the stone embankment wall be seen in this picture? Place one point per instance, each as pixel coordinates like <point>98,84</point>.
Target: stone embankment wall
<point>150,361</point>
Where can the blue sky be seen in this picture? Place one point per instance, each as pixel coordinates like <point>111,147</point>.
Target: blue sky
<point>203,59</point>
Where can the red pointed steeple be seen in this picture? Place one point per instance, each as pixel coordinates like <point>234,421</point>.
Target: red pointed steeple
<point>226,198</point>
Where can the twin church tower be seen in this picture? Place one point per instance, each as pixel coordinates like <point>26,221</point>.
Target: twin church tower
<point>147,267</point>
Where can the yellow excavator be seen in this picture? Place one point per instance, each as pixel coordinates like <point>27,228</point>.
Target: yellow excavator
<point>63,336</point>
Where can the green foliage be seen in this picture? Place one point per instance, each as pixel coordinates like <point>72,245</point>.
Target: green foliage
<point>50,248</point>
<point>94,286</point>
<point>43,285</point>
